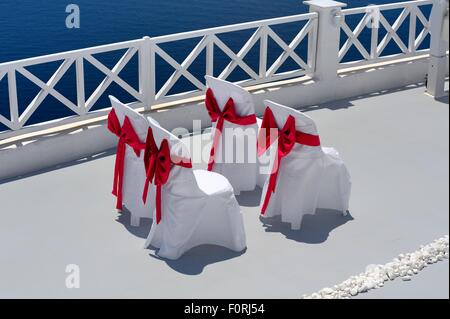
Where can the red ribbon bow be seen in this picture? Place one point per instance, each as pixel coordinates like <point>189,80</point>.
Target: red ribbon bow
<point>287,137</point>
<point>229,114</point>
<point>158,163</point>
<point>126,135</point>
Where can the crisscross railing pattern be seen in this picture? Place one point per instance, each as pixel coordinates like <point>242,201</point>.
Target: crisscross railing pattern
<point>374,19</point>
<point>147,49</point>
<point>148,91</point>
<point>84,105</point>
<point>210,40</point>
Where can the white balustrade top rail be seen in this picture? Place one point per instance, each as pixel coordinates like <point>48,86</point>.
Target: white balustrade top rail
<point>209,40</point>
<point>17,121</point>
<point>147,49</point>
<point>374,19</point>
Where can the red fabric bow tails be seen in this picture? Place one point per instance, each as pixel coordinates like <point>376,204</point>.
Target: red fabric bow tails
<point>287,137</point>
<point>158,163</point>
<point>126,135</point>
<point>229,114</point>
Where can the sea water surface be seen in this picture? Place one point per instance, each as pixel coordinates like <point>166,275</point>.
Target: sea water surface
<point>31,28</point>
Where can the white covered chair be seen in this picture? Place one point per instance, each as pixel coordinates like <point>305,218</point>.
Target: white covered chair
<point>309,176</point>
<point>133,176</point>
<point>198,207</point>
<point>235,155</point>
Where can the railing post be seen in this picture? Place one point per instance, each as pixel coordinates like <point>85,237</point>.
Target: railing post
<point>328,37</point>
<point>81,97</point>
<point>210,57</point>
<point>13,103</point>
<point>263,53</point>
<point>145,72</point>
<point>438,56</point>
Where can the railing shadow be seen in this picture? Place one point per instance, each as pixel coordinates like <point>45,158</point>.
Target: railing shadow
<point>315,229</point>
<point>85,159</point>
<point>349,102</point>
<point>443,99</point>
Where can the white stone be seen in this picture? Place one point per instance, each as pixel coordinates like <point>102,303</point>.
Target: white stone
<point>406,278</point>
<point>404,266</point>
<point>370,284</point>
<point>327,291</point>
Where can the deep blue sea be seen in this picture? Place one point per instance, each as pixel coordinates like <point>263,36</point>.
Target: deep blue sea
<point>31,28</point>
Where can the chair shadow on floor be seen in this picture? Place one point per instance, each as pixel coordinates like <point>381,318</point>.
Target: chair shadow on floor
<point>250,198</point>
<point>315,229</point>
<point>193,261</point>
<point>141,231</point>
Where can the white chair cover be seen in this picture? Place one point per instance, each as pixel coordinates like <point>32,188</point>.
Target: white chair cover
<point>242,169</point>
<point>134,170</point>
<point>198,207</point>
<point>263,160</point>
<point>308,177</point>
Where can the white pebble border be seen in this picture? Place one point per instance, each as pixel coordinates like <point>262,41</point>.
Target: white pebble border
<point>404,266</point>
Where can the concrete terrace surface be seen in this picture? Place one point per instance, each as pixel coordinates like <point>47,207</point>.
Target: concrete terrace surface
<point>396,146</point>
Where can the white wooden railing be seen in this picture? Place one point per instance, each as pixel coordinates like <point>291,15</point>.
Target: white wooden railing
<point>374,19</point>
<point>17,121</point>
<point>209,40</point>
<point>147,49</point>
<point>320,29</point>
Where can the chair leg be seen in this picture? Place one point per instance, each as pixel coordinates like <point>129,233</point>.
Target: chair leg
<point>135,221</point>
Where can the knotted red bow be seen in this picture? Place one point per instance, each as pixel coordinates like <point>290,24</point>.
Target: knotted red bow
<point>158,163</point>
<point>229,114</point>
<point>126,135</point>
<point>287,137</point>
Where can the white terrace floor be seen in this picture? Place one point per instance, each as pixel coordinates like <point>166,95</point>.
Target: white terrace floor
<point>396,146</point>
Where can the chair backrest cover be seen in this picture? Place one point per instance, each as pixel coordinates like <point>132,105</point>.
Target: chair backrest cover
<point>223,90</point>
<point>303,122</point>
<point>181,179</point>
<point>139,122</point>
<point>177,147</point>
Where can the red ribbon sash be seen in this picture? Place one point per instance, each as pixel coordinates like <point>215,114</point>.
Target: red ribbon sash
<point>158,163</point>
<point>229,114</point>
<point>126,135</point>
<point>287,137</point>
